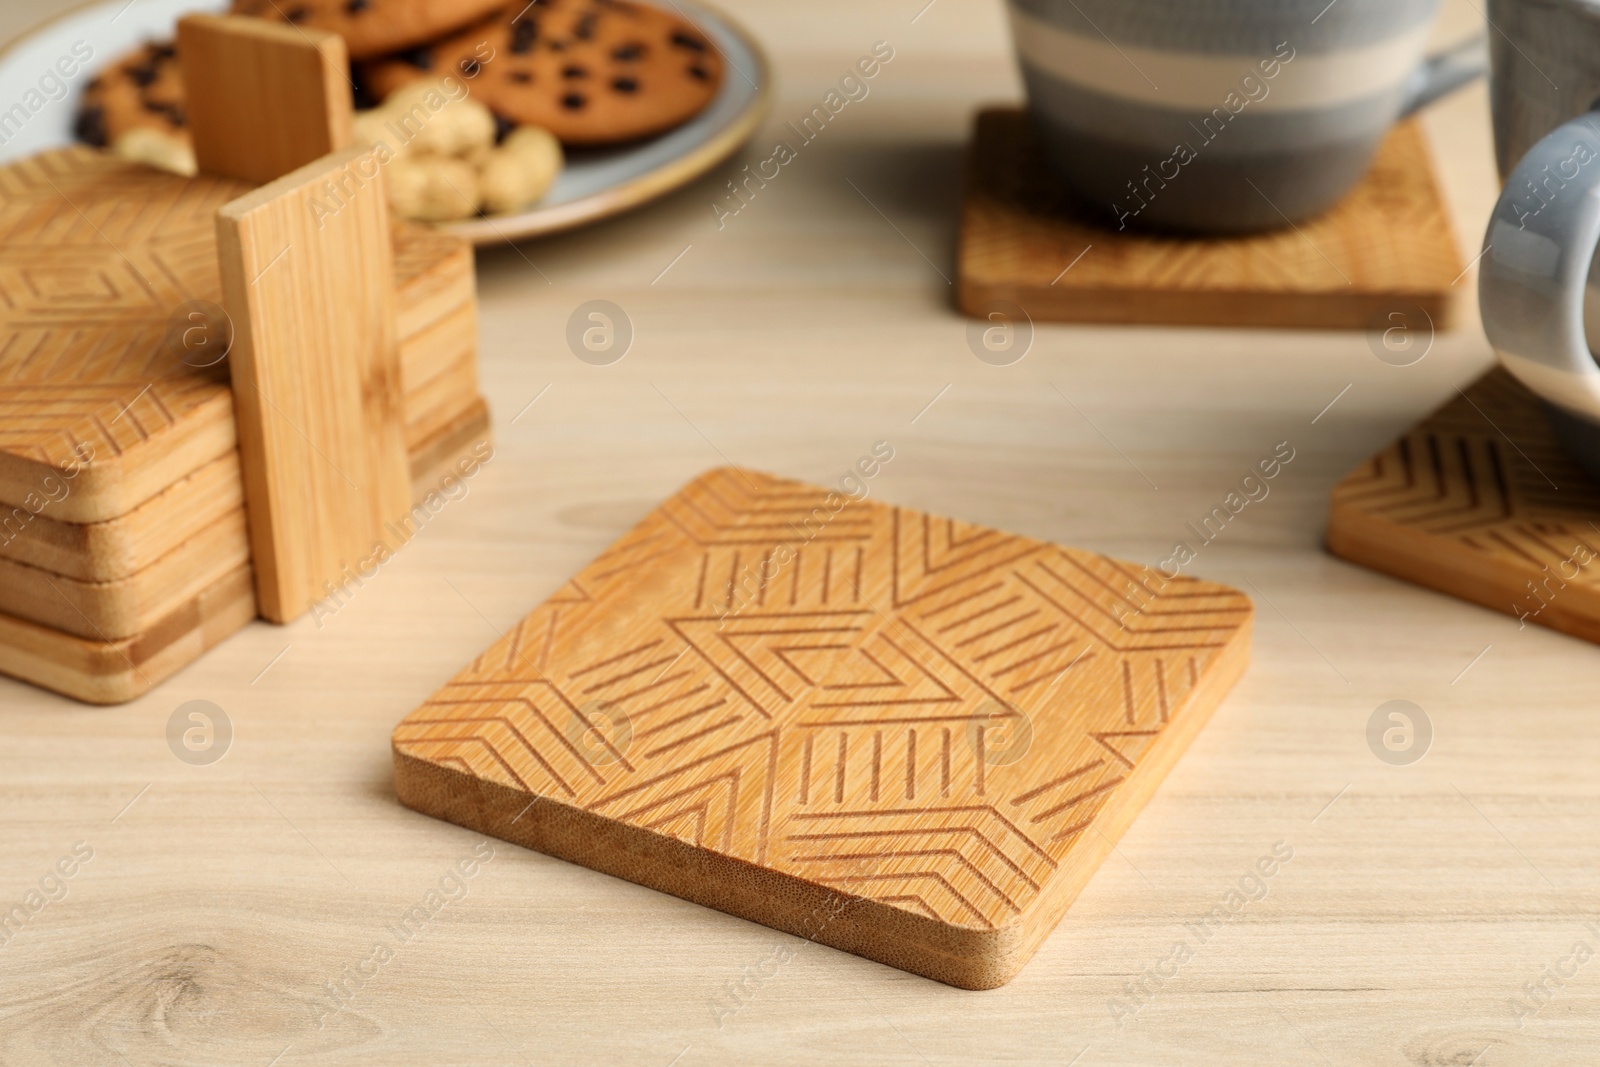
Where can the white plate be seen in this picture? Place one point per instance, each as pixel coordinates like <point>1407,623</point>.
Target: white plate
<point>596,184</point>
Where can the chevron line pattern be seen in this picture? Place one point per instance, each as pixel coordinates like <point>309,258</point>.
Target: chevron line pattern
<point>1480,500</point>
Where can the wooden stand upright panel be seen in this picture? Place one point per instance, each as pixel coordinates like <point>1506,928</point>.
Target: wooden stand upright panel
<point>900,735</point>
<point>308,279</point>
<point>263,97</point>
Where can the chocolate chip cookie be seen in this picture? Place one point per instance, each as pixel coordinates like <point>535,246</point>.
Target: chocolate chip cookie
<point>373,27</point>
<point>591,72</point>
<point>143,90</point>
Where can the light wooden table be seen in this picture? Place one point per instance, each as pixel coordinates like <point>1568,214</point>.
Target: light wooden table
<point>1420,899</point>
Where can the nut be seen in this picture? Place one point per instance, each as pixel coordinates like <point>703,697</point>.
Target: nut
<point>520,171</point>
<point>432,188</point>
<point>145,144</point>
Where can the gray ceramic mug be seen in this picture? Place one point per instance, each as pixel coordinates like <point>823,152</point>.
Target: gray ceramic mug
<point>1544,68</point>
<point>1224,116</point>
<point>1536,289</point>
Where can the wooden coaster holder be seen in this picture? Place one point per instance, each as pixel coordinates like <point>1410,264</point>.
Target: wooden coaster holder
<point>186,506</point>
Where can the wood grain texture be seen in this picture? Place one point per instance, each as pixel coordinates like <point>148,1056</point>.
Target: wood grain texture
<point>225,899</point>
<point>1386,246</point>
<point>784,704</point>
<point>96,257</point>
<point>308,278</point>
<point>263,98</point>
<point>123,546</point>
<point>124,607</point>
<point>98,670</point>
<point>111,672</point>
<point>1480,501</point>
<point>434,274</point>
<point>433,457</point>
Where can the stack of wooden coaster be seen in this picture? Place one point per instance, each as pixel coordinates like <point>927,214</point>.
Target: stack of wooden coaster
<point>125,543</point>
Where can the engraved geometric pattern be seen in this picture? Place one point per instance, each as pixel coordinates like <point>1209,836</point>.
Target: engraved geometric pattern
<point>1481,501</point>
<point>839,695</point>
<point>96,254</point>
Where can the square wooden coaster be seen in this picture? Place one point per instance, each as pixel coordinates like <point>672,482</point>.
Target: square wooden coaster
<point>1386,247</point>
<point>903,736</point>
<point>1480,500</point>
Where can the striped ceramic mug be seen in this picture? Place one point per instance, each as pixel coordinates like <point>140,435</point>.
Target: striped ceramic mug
<point>1539,286</point>
<point>1224,115</point>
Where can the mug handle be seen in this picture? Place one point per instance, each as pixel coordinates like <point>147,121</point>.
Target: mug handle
<point>1444,72</point>
<point>1536,255</point>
